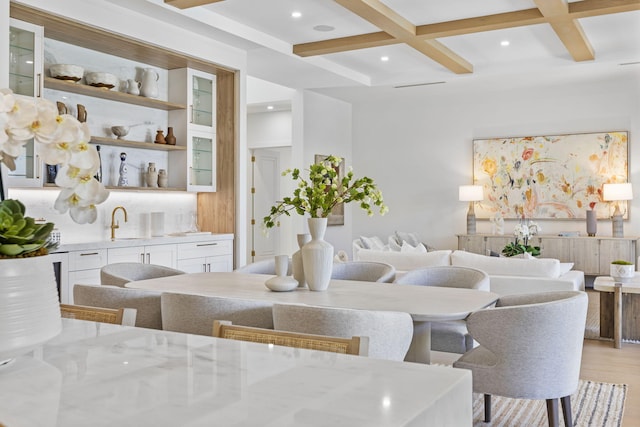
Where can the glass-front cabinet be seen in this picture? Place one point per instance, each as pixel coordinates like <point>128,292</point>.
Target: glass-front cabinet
<point>25,79</point>
<point>25,58</point>
<point>202,161</point>
<point>196,125</point>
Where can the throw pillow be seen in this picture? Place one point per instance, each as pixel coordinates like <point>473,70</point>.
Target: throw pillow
<point>393,244</point>
<point>410,238</point>
<point>407,248</point>
<point>373,242</point>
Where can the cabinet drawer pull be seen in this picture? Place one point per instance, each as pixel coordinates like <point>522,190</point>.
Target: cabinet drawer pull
<point>90,253</point>
<point>207,244</point>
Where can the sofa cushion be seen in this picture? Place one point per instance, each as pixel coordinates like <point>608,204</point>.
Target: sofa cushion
<point>406,261</point>
<point>410,238</point>
<point>545,267</point>
<point>373,242</point>
<point>408,248</point>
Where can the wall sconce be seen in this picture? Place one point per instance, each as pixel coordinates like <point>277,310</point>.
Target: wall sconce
<point>617,193</point>
<point>471,194</point>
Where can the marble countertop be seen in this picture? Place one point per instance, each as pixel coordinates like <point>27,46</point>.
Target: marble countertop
<point>128,242</point>
<point>106,375</point>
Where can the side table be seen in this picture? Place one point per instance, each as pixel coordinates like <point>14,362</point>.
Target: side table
<point>623,301</point>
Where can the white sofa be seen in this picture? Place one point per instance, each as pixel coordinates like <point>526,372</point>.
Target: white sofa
<point>507,276</point>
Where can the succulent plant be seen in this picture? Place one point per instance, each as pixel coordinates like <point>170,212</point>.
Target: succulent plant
<point>20,236</point>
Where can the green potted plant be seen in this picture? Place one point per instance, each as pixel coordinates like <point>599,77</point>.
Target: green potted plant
<point>522,232</point>
<point>622,271</point>
<point>316,196</point>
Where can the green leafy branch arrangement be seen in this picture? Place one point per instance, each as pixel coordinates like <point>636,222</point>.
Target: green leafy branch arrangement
<point>513,249</point>
<point>323,190</point>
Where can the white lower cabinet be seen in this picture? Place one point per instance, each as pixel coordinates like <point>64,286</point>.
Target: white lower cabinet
<point>152,254</point>
<point>205,256</point>
<point>84,268</point>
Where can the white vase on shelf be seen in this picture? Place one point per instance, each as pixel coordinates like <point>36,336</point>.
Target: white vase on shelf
<point>317,256</point>
<point>296,260</point>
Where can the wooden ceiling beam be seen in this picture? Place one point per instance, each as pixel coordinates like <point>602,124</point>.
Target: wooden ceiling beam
<point>567,29</point>
<point>186,4</point>
<point>520,18</point>
<point>404,31</point>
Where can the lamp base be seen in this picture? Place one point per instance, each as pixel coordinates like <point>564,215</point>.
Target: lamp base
<point>616,224</point>
<point>471,223</point>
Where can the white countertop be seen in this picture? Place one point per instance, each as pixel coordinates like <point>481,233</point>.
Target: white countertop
<point>109,375</point>
<point>128,242</point>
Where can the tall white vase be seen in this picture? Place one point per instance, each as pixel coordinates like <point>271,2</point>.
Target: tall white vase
<point>296,260</point>
<point>29,307</point>
<point>317,256</point>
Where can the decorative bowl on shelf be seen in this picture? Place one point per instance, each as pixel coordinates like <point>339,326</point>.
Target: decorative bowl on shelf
<point>101,80</point>
<point>120,131</point>
<point>66,72</point>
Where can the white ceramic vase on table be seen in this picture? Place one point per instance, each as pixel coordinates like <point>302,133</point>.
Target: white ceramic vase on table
<point>29,305</point>
<point>317,256</point>
<point>296,260</point>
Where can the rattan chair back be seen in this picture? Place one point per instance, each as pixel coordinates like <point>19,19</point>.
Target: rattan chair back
<point>117,316</point>
<point>353,345</point>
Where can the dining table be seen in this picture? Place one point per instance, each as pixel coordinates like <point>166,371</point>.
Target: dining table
<point>96,374</point>
<point>425,304</point>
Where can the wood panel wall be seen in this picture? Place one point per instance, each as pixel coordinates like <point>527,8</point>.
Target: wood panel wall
<point>216,211</point>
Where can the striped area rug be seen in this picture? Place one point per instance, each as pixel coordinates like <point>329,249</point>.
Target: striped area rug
<point>593,405</point>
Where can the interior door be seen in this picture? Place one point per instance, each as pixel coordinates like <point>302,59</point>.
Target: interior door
<point>266,184</point>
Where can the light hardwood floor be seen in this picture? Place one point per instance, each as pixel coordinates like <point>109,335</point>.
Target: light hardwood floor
<point>601,362</point>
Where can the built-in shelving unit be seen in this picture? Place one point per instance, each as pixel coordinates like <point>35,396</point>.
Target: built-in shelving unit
<point>136,144</point>
<point>104,93</point>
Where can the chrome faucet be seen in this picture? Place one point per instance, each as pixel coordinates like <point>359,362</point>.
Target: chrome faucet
<point>114,223</point>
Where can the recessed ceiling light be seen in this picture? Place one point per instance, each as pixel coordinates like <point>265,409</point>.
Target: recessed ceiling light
<point>504,43</point>
<point>324,28</point>
<point>384,58</point>
<point>296,14</point>
<point>269,107</point>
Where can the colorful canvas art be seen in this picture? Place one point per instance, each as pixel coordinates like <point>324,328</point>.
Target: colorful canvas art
<point>546,177</point>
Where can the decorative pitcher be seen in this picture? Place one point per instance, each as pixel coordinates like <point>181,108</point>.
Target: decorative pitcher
<point>133,87</point>
<point>149,83</point>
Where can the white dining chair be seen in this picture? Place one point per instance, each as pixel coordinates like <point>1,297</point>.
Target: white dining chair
<point>194,314</point>
<point>451,336</point>
<point>530,348</point>
<point>390,332</point>
<point>365,271</point>
<point>146,302</point>
<point>121,273</point>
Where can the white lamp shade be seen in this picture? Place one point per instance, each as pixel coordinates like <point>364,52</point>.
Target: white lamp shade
<point>470,193</point>
<point>615,192</point>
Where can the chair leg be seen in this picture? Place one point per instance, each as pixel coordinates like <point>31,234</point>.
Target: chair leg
<point>566,411</point>
<point>552,412</point>
<point>487,408</point>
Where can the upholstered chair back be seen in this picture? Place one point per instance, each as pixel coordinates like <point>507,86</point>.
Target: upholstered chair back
<point>447,276</point>
<point>389,332</point>
<point>120,273</point>
<point>365,271</point>
<point>194,314</point>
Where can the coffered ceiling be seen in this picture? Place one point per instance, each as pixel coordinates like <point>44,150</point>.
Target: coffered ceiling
<point>337,43</point>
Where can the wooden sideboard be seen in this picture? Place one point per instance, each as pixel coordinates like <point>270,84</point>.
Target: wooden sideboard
<point>589,254</point>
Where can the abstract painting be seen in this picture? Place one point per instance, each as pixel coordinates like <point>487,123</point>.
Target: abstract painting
<point>549,177</point>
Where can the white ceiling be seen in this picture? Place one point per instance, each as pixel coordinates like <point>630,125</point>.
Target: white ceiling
<point>266,30</point>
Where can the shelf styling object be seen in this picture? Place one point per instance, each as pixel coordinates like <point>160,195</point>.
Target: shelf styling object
<point>152,175</point>
<point>296,260</point>
<point>163,178</point>
<point>617,193</point>
<point>82,113</point>
<point>123,180</point>
<point>317,196</point>
<point>170,138</point>
<point>622,271</point>
<point>471,194</point>
<point>66,72</point>
<point>160,137</point>
<point>149,83</point>
<point>281,282</point>
<point>120,131</point>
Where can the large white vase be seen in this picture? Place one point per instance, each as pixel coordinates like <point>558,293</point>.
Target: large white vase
<point>317,256</point>
<point>296,260</point>
<point>29,306</point>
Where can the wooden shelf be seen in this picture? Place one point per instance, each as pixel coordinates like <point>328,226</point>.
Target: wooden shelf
<point>136,144</point>
<point>109,187</point>
<point>82,89</point>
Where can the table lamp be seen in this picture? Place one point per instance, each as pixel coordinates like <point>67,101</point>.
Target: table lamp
<point>471,194</point>
<point>617,193</point>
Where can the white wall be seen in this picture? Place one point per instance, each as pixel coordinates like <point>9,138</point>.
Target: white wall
<point>418,146</point>
<point>272,129</point>
<point>327,130</point>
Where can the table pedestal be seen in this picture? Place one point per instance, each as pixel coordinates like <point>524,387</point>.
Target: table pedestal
<point>619,315</point>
